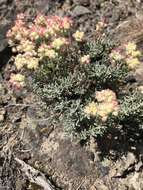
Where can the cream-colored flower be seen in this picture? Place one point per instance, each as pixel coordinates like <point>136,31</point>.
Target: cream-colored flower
<point>51,31</point>
<point>17,80</point>
<point>105,95</point>
<point>116,55</point>
<point>34,35</point>
<point>40,20</point>
<point>27,46</point>
<point>18,77</point>
<point>51,53</point>
<point>66,23</point>
<point>46,51</point>
<point>58,43</point>
<point>132,62</point>
<point>136,53</point>
<point>91,109</point>
<point>33,63</point>
<point>78,36</point>
<point>85,59</point>
<point>107,103</point>
<point>31,53</point>
<point>20,61</point>
<point>102,111</point>
<point>18,36</point>
<point>130,47</point>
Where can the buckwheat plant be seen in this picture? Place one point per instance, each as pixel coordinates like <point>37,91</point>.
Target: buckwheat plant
<point>83,83</point>
<point>129,53</point>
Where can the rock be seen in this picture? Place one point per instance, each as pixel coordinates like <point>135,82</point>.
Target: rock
<point>2,90</point>
<point>131,159</point>
<point>130,30</point>
<point>138,166</point>
<point>139,74</point>
<point>3,44</point>
<point>6,20</point>
<point>67,162</point>
<point>125,164</point>
<point>2,114</point>
<point>82,2</point>
<point>3,29</point>
<point>1,118</point>
<point>99,185</point>
<point>79,11</point>
<point>44,6</point>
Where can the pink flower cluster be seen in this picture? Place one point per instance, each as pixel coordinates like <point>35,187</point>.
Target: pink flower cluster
<point>17,81</point>
<point>44,37</point>
<point>18,31</point>
<point>106,104</point>
<point>129,53</point>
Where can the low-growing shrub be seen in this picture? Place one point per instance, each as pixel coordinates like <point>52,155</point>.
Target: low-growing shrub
<point>83,83</point>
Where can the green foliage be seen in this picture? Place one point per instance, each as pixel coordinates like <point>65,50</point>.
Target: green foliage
<point>99,49</point>
<point>68,86</point>
<point>131,112</point>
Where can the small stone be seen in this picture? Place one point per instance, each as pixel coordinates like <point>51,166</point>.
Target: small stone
<point>82,2</point>
<point>139,74</point>
<point>3,44</point>
<point>130,159</point>
<point>1,118</point>
<point>99,184</point>
<point>5,25</point>
<point>44,5</point>
<point>2,90</point>
<point>2,113</point>
<point>79,11</point>
<point>140,88</point>
<point>138,166</point>
<point>2,2</point>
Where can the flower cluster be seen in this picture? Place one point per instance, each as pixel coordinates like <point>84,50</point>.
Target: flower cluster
<point>85,59</point>
<point>78,36</point>
<point>116,55</point>
<point>30,62</point>
<point>44,38</point>
<point>33,41</point>
<point>45,51</point>
<point>129,53</point>
<point>106,104</point>
<point>17,80</point>
<point>91,109</point>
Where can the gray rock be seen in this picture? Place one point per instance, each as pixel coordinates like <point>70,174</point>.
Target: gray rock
<point>4,26</point>
<point>6,19</point>
<point>126,163</point>
<point>82,2</point>
<point>138,166</point>
<point>3,44</point>
<point>2,114</point>
<point>44,5</point>
<point>79,11</point>
<point>139,74</point>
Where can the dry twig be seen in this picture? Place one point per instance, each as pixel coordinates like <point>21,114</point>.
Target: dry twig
<point>34,175</point>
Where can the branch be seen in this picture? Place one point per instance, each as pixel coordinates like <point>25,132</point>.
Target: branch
<point>34,175</point>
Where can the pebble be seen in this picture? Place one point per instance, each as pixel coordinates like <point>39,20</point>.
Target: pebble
<point>82,2</point>
<point>79,11</point>
<point>2,113</point>
<point>1,118</point>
